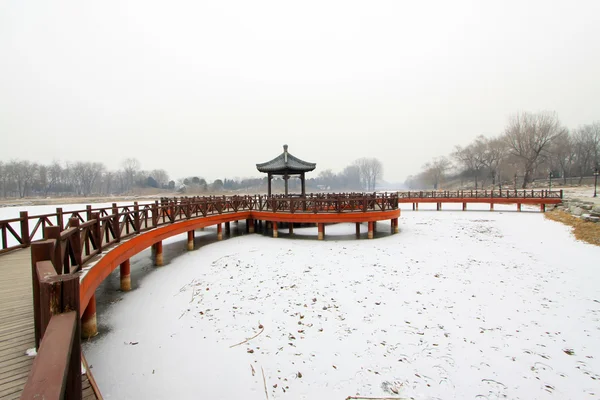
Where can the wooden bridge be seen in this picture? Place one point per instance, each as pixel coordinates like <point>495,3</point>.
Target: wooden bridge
<point>45,290</point>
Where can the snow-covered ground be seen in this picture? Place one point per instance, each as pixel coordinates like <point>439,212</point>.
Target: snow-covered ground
<point>458,305</point>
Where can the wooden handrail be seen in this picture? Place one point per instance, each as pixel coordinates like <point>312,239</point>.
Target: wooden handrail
<point>48,376</point>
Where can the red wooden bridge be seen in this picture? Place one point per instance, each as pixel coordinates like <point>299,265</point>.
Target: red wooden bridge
<point>73,252</point>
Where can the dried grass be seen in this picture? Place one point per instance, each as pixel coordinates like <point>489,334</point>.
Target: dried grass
<point>586,231</point>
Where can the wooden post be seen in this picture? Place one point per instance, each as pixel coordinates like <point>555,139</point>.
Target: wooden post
<point>89,324</point>
<point>190,241</point>
<point>519,207</point>
<point>370,234</point>
<point>75,243</point>
<point>321,231</point>
<point>125,273</point>
<point>136,216</point>
<point>227,228</point>
<point>439,206</point>
<point>158,254</point>
<point>416,206</point>
<point>250,225</point>
<point>53,233</point>
<point>60,294</point>
<point>40,251</point>
<point>155,216</point>
<point>291,227</point>
<point>396,229</point>
<point>115,222</point>
<point>491,206</point>
<point>275,232</point>
<point>357,229</point>
<point>464,206</point>
<point>219,231</point>
<point>97,232</point>
<point>25,228</point>
<point>59,218</point>
<point>543,207</point>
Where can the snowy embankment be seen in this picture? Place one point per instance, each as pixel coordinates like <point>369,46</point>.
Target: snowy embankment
<point>458,305</point>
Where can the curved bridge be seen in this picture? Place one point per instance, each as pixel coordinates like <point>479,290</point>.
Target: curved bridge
<point>73,258</point>
<point>81,248</point>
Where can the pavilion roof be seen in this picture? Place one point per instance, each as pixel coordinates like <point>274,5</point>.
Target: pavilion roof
<point>286,163</point>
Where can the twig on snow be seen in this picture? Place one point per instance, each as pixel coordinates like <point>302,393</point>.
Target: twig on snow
<point>491,380</point>
<point>264,382</point>
<point>372,398</point>
<point>247,340</point>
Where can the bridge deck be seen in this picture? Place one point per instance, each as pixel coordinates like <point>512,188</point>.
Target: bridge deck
<point>16,325</point>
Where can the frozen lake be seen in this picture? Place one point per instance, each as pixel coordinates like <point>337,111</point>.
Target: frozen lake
<point>458,305</point>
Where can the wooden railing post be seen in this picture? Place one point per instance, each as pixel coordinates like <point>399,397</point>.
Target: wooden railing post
<point>59,218</point>
<point>40,251</point>
<point>62,293</point>
<point>53,233</point>
<point>115,222</point>
<point>97,232</point>
<point>136,216</point>
<point>25,228</point>
<point>155,214</point>
<point>75,244</point>
<point>88,212</point>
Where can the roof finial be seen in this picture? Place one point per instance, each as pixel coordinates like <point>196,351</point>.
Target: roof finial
<point>285,153</point>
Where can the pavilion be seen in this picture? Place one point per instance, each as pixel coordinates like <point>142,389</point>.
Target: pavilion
<point>286,165</point>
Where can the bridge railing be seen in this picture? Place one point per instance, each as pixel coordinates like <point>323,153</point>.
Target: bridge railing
<point>56,370</point>
<point>84,232</point>
<point>483,194</point>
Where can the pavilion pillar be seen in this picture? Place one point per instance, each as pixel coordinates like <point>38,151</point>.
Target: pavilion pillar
<point>286,177</point>
<point>303,184</point>
<point>158,254</point>
<point>270,178</point>
<point>190,241</point>
<point>89,323</point>
<point>358,229</point>
<point>125,273</point>
<point>275,231</point>
<point>370,234</point>
<point>219,231</point>
<point>321,230</point>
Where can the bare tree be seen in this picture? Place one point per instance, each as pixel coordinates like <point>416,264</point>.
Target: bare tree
<point>472,157</point>
<point>130,168</point>
<point>86,174</point>
<point>371,171</point>
<point>160,176</point>
<point>528,136</point>
<point>562,155</point>
<point>493,156</point>
<point>435,171</point>
<point>584,146</point>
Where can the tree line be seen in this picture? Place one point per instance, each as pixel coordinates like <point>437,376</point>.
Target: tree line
<point>22,178</point>
<point>532,146</point>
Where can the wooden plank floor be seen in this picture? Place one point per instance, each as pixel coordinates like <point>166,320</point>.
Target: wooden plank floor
<point>16,325</point>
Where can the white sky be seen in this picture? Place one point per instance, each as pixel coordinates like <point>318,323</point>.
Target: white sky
<point>211,88</point>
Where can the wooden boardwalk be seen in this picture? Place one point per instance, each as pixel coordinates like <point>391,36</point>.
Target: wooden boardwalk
<point>16,325</point>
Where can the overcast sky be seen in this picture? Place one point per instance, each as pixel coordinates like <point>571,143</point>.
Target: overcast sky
<point>212,88</point>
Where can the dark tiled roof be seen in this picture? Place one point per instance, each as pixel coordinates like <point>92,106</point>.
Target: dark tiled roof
<point>281,163</point>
